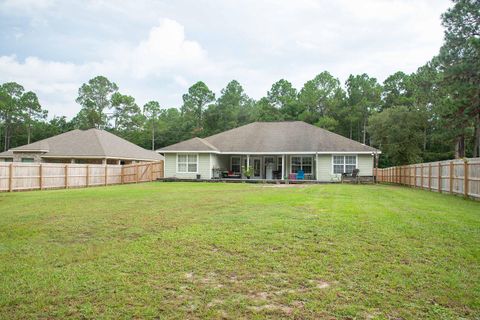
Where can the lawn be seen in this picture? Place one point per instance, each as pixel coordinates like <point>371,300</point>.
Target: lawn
<point>200,250</point>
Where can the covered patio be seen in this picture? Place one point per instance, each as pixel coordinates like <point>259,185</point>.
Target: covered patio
<point>265,167</point>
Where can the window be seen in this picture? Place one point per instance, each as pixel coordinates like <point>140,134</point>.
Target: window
<point>236,164</point>
<point>344,164</point>
<point>27,160</point>
<point>187,163</point>
<point>8,159</point>
<point>302,163</point>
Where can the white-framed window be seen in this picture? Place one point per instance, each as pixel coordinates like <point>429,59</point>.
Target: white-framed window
<point>344,163</point>
<point>187,163</point>
<point>304,163</point>
<point>235,166</point>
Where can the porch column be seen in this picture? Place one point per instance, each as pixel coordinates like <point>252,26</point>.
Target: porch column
<point>283,167</point>
<point>248,161</point>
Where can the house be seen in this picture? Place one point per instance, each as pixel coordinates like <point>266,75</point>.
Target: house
<point>91,146</point>
<point>273,150</point>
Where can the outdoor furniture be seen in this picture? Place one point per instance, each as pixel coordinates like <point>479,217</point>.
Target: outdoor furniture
<point>230,174</point>
<point>351,177</point>
<point>300,175</point>
<point>292,176</point>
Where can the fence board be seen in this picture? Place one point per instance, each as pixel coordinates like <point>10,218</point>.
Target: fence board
<point>460,176</point>
<point>19,176</point>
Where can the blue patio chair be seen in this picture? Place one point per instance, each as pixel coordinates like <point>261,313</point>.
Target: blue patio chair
<point>300,175</point>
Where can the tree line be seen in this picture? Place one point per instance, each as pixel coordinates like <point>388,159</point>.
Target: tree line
<point>431,114</point>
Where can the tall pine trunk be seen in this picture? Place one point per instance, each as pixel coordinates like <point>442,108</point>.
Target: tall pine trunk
<point>476,137</point>
<point>460,147</point>
<point>153,137</point>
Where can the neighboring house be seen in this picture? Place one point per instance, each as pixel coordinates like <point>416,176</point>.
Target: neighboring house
<point>274,150</point>
<point>81,146</point>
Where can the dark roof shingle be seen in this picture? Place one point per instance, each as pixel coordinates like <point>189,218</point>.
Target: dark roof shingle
<point>287,136</point>
<point>93,143</point>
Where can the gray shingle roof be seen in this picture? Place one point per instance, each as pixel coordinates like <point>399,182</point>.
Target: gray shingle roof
<point>259,137</point>
<point>92,143</point>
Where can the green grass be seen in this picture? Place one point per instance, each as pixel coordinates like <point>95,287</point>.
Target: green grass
<point>199,250</point>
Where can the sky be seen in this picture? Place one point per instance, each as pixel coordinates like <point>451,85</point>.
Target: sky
<point>155,50</point>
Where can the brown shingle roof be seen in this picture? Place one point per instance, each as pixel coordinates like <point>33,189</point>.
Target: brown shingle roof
<point>92,143</point>
<point>259,137</point>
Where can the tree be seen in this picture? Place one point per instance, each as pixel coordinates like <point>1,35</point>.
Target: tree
<point>194,102</point>
<point>265,111</point>
<point>232,108</point>
<point>95,98</point>
<point>126,113</point>
<point>364,95</point>
<point>459,59</point>
<point>151,111</point>
<point>397,90</point>
<point>10,109</point>
<point>321,97</point>
<point>398,132</point>
<point>283,96</point>
<point>31,110</point>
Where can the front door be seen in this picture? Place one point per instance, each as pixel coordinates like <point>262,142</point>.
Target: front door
<point>257,167</point>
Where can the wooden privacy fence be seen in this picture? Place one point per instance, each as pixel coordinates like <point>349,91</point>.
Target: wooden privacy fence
<point>460,176</point>
<point>17,176</point>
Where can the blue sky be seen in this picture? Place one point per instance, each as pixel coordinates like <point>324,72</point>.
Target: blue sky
<point>154,50</point>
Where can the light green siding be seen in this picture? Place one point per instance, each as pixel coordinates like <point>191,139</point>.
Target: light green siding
<point>204,167</point>
<point>206,162</point>
<point>365,164</point>
<point>324,167</point>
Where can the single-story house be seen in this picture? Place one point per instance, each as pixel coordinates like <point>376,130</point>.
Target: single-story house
<point>272,150</point>
<point>90,146</point>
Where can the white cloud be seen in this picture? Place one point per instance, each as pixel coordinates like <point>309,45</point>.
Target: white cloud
<point>166,51</point>
<point>63,44</point>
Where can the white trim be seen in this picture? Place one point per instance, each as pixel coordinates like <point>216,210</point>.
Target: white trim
<point>186,172</point>
<point>188,151</point>
<point>276,152</point>
<point>98,157</point>
<point>344,164</point>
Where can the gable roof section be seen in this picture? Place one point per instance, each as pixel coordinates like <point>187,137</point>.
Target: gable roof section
<point>195,144</point>
<point>92,143</point>
<point>273,137</point>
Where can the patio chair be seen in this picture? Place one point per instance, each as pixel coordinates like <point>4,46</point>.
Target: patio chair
<point>300,175</point>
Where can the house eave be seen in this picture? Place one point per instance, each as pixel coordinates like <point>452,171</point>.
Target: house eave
<point>271,152</point>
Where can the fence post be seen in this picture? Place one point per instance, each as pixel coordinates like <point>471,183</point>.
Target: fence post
<point>10,177</point>
<point>439,183</point>
<point>66,176</point>
<point>415,176</point>
<point>40,177</point>
<point>136,173</point>
<point>430,176</point>
<point>451,176</point>
<point>106,173</point>
<point>87,177</point>
<point>421,177</point>
<point>465,178</point>
<point>151,171</point>
<point>122,173</point>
